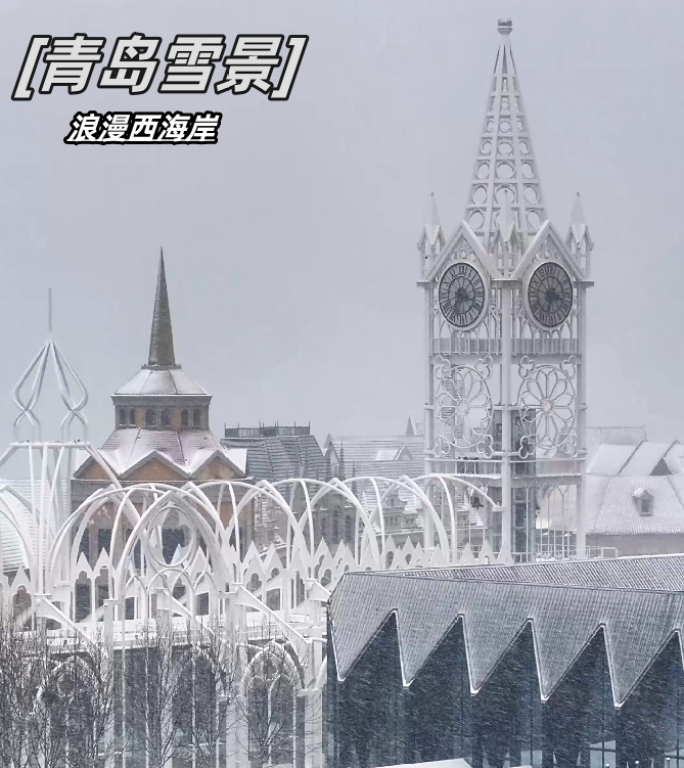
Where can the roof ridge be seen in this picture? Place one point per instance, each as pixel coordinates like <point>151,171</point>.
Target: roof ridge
<point>594,587</point>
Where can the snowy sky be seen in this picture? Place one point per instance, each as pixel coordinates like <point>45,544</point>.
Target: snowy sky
<point>290,245</point>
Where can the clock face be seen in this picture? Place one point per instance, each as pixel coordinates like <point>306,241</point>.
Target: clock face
<point>549,294</point>
<point>461,295</point>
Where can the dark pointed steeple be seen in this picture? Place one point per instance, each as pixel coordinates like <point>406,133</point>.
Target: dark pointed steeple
<point>161,339</point>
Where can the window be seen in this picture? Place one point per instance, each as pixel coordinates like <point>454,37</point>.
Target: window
<point>172,538</point>
<point>150,417</point>
<point>166,418</point>
<point>184,419</point>
<point>336,525</point>
<point>348,534</point>
<point>197,418</point>
<point>131,417</point>
<point>644,502</point>
<point>121,416</point>
<point>104,539</point>
<point>203,604</point>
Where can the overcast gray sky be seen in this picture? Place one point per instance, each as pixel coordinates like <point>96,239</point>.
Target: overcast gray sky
<point>290,245</point>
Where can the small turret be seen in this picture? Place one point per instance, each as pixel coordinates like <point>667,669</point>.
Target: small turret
<point>578,239</point>
<point>432,238</point>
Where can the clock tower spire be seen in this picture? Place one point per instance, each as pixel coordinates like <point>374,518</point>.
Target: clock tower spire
<point>505,165</point>
<point>505,306</point>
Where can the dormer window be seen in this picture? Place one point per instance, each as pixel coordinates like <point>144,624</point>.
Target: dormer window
<point>644,502</point>
<point>184,418</point>
<point>150,417</point>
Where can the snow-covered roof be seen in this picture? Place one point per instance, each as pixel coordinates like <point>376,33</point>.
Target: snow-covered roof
<point>187,450</point>
<point>156,382</point>
<point>566,604</point>
<point>280,457</point>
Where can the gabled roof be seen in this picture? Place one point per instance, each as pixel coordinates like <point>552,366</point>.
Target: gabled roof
<point>186,450</point>
<point>610,459</point>
<point>367,450</point>
<point>565,603</point>
<point>611,509</point>
<point>597,436</point>
<point>645,459</point>
<point>619,515</point>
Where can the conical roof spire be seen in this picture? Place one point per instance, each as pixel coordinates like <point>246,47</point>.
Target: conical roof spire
<point>161,338</point>
<point>505,162</point>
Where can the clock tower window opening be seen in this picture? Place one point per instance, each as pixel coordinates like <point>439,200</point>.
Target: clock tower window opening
<point>121,414</point>
<point>184,418</point>
<point>131,417</point>
<point>166,417</point>
<point>197,418</point>
<point>150,417</point>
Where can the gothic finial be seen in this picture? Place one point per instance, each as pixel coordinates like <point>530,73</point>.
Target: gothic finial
<point>161,338</point>
<point>578,221</point>
<point>505,26</point>
<point>434,215</point>
<point>432,229</point>
<point>50,311</point>
<point>578,239</point>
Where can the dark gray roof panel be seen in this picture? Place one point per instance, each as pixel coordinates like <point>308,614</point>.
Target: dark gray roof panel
<point>638,603</point>
<point>282,457</point>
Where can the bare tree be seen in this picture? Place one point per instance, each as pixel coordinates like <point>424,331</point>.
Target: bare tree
<point>215,680</point>
<point>156,697</point>
<point>17,693</point>
<point>55,698</point>
<point>84,679</point>
<point>269,705</point>
<point>183,697</point>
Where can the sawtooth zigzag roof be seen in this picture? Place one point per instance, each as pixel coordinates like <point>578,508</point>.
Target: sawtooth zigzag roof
<point>636,603</point>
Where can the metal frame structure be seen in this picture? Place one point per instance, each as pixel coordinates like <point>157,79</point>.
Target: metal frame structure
<point>506,396</point>
<point>212,579</point>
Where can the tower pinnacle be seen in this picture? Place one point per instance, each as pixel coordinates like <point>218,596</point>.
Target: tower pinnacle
<point>505,165</point>
<point>161,338</point>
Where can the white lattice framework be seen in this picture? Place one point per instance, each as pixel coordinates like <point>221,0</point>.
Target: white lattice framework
<point>213,579</point>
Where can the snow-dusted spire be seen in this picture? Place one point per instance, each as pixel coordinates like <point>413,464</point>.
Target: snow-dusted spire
<point>578,240</point>
<point>505,162</point>
<point>432,238</point>
<point>161,338</point>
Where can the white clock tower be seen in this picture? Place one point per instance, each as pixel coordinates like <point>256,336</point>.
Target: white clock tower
<point>505,304</point>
